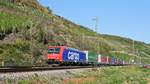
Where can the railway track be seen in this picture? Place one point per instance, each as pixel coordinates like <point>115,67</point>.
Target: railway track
<point>30,69</point>
<point>46,68</point>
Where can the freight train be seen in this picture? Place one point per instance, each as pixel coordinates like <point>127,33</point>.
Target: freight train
<point>67,55</point>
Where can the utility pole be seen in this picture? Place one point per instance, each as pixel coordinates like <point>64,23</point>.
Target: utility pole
<point>31,48</point>
<point>96,19</point>
<point>31,35</point>
<point>133,51</point>
<point>133,47</point>
<point>82,46</point>
<point>140,57</point>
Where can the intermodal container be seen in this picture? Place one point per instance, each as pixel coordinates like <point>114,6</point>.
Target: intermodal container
<point>72,55</point>
<point>113,61</point>
<point>91,56</point>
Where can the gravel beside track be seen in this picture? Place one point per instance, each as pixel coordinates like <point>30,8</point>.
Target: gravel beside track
<point>25,75</point>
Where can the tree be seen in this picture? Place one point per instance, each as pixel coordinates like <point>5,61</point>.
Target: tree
<point>48,8</point>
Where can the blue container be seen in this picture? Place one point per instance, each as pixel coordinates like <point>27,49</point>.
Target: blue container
<point>122,61</point>
<point>113,60</point>
<point>73,55</point>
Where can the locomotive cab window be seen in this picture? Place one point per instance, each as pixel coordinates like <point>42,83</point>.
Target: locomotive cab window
<point>53,51</point>
<point>50,50</point>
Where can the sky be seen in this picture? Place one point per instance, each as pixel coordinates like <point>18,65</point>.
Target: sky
<point>126,18</point>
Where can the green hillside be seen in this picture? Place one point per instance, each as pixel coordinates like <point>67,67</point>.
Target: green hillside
<point>27,28</point>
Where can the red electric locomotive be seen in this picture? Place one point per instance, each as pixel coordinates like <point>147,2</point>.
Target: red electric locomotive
<point>55,54</point>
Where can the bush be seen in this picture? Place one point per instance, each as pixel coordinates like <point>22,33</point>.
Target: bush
<point>9,22</point>
<point>6,3</point>
<point>16,54</point>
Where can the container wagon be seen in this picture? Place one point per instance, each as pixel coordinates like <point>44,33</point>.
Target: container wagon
<point>91,57</point>
<point>104,60</point>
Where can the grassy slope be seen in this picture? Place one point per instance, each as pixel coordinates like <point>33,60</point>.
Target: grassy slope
<point>125,75</point>
<point>22,18</point>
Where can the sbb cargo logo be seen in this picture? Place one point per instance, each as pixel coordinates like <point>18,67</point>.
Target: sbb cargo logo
<point>73,56</point>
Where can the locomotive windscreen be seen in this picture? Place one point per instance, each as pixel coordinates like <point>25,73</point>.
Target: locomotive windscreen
<point>53,50</point>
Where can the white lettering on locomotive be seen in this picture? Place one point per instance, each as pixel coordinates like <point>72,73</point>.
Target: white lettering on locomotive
<point>73,56</point>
